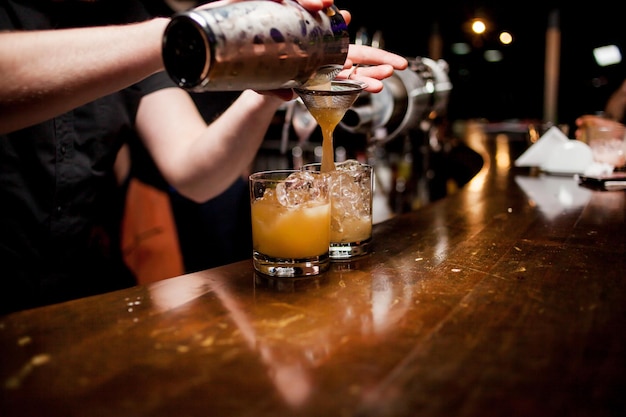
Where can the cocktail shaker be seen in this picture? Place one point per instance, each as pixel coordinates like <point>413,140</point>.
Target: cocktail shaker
<point>254,44</point>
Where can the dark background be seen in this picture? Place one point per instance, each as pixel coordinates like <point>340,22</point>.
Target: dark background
<point>514,87</point>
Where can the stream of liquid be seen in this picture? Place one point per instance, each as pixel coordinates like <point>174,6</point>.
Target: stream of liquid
<point>328,118</point>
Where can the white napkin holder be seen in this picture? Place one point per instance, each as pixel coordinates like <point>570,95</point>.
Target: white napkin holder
<point>555,153</point>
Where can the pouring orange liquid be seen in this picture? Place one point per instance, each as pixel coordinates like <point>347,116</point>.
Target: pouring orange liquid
<point>328,118</point>
<point>328,103</point>
<point>349,228</point>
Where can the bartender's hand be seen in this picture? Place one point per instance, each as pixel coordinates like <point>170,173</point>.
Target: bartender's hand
<point>374,64</point>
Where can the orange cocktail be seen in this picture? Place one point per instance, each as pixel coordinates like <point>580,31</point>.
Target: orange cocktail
<point>290,223</point>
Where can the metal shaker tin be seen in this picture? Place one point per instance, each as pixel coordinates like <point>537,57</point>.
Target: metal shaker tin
<point>256,44</point>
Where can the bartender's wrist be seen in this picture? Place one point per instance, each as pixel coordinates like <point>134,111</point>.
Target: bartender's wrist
<point>157,27</point>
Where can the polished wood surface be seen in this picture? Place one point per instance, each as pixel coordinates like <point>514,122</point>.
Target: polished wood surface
<point>507,298</point>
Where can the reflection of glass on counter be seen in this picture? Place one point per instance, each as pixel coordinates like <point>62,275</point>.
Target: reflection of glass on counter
<point>285,365</point>
<point>287,338</point>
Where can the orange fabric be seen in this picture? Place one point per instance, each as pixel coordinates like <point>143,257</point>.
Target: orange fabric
<point>149,238</point>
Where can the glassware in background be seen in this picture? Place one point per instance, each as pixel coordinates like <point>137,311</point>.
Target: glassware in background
<point>290,212</point>
<point>607,143</point>
<point>304,125</point>
<point>303,122</point>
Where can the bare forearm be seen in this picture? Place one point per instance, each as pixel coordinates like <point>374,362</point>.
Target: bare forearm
<point>45,73</point>
<point>192,155</point>
<point>234,137</point>
<point>616,105</point>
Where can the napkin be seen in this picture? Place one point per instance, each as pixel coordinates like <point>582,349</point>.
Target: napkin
<point>556,153</point>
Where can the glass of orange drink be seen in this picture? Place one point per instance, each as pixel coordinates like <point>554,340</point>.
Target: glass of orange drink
<point>290,212</point>
<point>351,192</point>
<point>350,182</point>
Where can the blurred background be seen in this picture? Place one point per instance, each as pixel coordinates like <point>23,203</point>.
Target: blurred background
<point>512,68</point>
<point>524,66</point>
<point>499,81</point>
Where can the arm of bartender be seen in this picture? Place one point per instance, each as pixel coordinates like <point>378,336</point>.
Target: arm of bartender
<point>80,79</point>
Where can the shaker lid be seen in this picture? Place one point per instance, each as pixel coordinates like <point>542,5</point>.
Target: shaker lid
<point>186,50</point>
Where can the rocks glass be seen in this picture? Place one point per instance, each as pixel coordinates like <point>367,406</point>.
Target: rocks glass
<point>290,222</point>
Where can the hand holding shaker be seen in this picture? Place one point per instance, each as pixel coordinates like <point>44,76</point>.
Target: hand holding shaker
<point>256,44</point>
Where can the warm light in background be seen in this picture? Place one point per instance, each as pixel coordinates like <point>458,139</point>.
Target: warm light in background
<point>503,154</point>
<point>505,38</point>
<point>478,26</point>
<point>478,29</point>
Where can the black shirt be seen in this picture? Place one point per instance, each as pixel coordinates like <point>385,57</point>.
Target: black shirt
<point>60,203</point>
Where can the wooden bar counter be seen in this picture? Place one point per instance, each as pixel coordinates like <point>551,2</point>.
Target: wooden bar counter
<point>506,298</point>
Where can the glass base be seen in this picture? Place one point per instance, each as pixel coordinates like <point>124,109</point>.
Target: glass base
<point>290,268</point>
<point>349,250</point>
<point>289,284</point>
